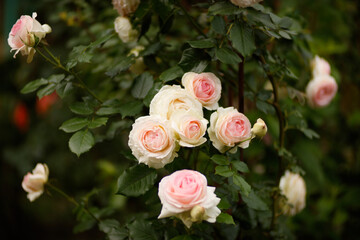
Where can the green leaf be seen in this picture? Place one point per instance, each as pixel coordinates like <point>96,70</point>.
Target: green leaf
<point>218,25</point>
<point>142,85</point>
<point>171,74</point>
<point>225,218</point>
<point>56,78</point>
<point>220,159</point>
<point>78,54</point>
<point>136,180</point>
<point>228,56</point>
<point>131,108</point>
<point>81,108</point>
<point>123,65</point>
<point>106,36</point>
<point>153,91</point>
<point>33,86</point>
<point>152,49</point>
<point>74,124</point>
<point>194,60</point>
<point>224,171</point>
<point>64,89</point>
<point>203,43</point>
<point>46,90</point>
<point>240,166</point>
<point>265,107</point>
<point>224,8</point>
<point>255,202</point>
<point>141,230</point>
<point>97,122</point>
<point>113,230</point>
<point>224,204</point>
<point>81,142</point>
<point>243,39</point>
<point>245,188</point>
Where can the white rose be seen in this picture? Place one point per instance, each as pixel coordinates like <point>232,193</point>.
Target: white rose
<point>205,87</point>
<point>152,141</point>
<point>25,33</point>
<point>244,3</point>
<point>259,129</point>
<point>124,29</point>
<point>189,127</point>
<point>320,66</point>
<point>33,183</point>
<point>185,194</point>
<point>321,90</point>
<point>292,186</point>
<point>229,128</point>
<point>138,67</point>
<point>125,7</point>
<point>171,99</point>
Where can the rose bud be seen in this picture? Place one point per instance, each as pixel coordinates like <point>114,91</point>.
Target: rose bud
<point>259,129</point>
<point>25,34</point>
<point>292,186</point>
<point>125,7</point>
<point>185,194</point>
<point>34,182</point>
<point>124,29</point>
<point>138,67</point>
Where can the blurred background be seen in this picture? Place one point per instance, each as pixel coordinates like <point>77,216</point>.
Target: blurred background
<point>29,128</point>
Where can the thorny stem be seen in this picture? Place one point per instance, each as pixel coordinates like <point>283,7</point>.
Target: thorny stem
<point>56,62</point>
<point>282,130</point>
<point>71,199</point>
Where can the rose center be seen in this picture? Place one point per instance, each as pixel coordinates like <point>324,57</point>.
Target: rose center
<point>155,140</point>
<point>203,89</point>
<point>193,129</point>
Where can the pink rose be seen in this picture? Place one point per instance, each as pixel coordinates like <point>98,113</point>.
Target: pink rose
<point>321,90</point>
<point>25,34</point>
<point>185,194</point>
<point>206,87</point>
<point>190,128</point>
<point>229,128</point>
<point>320,66</point>
<point>152,141</point>
<point>33,183</point>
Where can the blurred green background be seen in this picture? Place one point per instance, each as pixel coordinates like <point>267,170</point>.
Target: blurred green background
<point>30,134</point>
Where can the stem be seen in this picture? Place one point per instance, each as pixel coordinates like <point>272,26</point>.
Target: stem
<point>71,199</point>
<point>57,63</point>
<point>195,25</point>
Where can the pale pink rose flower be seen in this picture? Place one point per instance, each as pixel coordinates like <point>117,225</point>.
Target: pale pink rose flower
<point>205,87</point>
<point>33,183</point>
<point>321,90</point>
<point>189,128</point>
<point>152,141</point>
<point>229,128</point>
<point>125,7</point>
<point>293,187</point>
<point>22,37</point>
<point>320,66</point>
<point>171,99</point>
<point>185,190</point>
<point>244,3</point>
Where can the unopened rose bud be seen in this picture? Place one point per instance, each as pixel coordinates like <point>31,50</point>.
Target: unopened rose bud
<point>34,182</point>
<point>259,129</point>
<point>197,213</point>
<point>124,29</point>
